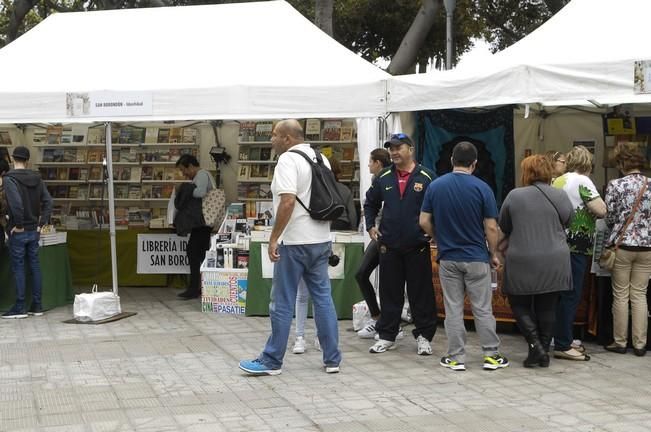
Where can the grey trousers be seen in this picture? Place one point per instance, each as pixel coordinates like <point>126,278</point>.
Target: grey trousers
<point>472,278</point>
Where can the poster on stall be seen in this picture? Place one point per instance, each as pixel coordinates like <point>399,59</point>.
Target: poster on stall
<point>336,272</point>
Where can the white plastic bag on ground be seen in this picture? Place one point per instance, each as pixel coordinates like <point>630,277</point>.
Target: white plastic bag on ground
<point>96,305</point>
<point>361,315</point>
<point>406,312</point>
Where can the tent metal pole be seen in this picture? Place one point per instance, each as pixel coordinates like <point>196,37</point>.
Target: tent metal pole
<point>111,209</point>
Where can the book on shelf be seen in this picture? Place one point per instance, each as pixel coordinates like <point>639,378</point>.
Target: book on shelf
<point>128,154</point>
<point>5,138</point>
<point>264,210</point>
<point>163,135</point>
<point>121,191</point>
<point>254,154</point>
<point>263,130</point>
<point>95,173</point>
<point>151,135</point>
<point>79,133</point>
<point>174,154</point>
<point>158,173</point>
<point>134,192</point>
<point>346,171</point>
<point>176,135</point>
<point>62,173</point>
<point>96,136</point>
<point>265,153</point>
<point>69,155</point>
<point>167,190</point>
<point>146,191</point>
<point>95,155</point>
<point>189,136</point>
<point>83,174</point>
<point>136,174</point>
<point>235,210</point>
<point>157,191</point>
<point>346,133</point>
<point>326,151</point>
<point>147,172</point>
<point>54,135</point>
<point>244,154</point>
<point>243,173</point>
<point>170,174</point>
<point>331,130</point>
<point>95,191</point>
<point>348,153</point>
<point>242,260</point>
<point>73,173</point>
<point>131,135</point>
<point>82,153</point>
<point>259,172</point>
<point>264,191</point>
<point>312,130</point>
<point>83,193</point>
<point>73,192</point>
<point>66,135</point>
<point>39,137</point>
<point>247,131</point>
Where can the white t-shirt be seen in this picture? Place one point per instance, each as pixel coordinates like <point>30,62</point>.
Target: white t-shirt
<point>293,175</point>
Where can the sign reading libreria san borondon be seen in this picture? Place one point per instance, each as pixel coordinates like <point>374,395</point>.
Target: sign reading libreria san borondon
<point>223,291</point>
<point>108,104</point>
<point>162,253</point>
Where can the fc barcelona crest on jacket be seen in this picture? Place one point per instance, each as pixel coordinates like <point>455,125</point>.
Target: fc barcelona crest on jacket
<point>418,187</point>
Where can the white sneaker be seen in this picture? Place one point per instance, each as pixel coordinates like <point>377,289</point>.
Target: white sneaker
<point>332,369</point>
<point>424,347</point>
<point>299,345</point>
<point>369,331</point>
<point>382,346</point>
<point>317,344</point>
<point>400,335</point>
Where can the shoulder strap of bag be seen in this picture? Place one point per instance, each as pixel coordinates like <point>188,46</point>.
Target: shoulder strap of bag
<point>311,162</point>
<point>553,204</point>
<point>620,236</point>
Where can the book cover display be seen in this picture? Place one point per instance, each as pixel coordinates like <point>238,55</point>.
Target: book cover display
<point>70,157</point>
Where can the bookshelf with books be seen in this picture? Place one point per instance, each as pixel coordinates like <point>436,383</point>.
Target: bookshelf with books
<point>70,160</point>
<point>336,139</point>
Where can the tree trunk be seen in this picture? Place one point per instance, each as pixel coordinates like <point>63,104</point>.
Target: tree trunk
<point>323,15</point>
<point>20,9</point>
<point>406,55</point>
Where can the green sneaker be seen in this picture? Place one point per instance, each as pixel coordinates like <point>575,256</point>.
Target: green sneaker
<point>498,361</point>
<point>447,362</point>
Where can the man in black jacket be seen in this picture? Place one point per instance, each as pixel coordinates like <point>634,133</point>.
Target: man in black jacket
<point>30,206</point>
<point>404,247</point>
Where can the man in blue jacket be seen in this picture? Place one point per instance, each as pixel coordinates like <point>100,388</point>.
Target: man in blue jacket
<point>404,247</point>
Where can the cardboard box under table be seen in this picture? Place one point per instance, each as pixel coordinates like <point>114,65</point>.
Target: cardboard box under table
<point>223,290</point>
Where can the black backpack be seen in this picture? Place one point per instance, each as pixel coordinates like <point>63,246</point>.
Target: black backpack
<point>325,202</point>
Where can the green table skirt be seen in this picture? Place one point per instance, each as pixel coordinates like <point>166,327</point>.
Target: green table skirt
<point>57,279</point>
<point>90,259</point>
<point>345,292</point>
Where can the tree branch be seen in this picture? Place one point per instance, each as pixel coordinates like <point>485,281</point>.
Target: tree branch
<point>406,55</point>
<point>20,10</point>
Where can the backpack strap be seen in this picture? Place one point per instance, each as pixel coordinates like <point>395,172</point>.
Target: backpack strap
<point>311,162</point>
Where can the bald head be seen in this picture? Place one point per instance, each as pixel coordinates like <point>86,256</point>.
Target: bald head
<point>286,134</point>
<point>290,127</point>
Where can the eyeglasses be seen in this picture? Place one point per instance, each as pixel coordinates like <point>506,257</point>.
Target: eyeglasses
<point>399,136</point>
<point>561,161</point>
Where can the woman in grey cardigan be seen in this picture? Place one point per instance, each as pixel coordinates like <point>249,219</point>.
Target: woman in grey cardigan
<point>537,259</point>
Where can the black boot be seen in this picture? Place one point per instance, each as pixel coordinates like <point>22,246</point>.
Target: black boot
<point>537,355</point>
<point>545,341</point>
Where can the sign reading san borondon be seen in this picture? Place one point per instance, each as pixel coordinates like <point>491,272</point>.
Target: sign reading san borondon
<point>162,253</point>
<point>108,103</point>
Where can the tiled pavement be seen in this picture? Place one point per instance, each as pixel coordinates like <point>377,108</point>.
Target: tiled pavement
<point>173,368</point>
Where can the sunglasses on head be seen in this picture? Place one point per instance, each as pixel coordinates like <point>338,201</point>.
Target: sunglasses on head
<point>399,136</point>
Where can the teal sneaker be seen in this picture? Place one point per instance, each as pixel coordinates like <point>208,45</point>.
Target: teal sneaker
<point>498,361</point>
<point>447,362</point>
<point>256,367</point>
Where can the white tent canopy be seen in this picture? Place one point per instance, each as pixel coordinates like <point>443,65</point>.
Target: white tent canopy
<point>259,60</point>
<point>583,55</point>
<point>232,61</point>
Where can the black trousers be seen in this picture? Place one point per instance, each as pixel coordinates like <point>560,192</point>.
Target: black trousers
<point>198,244</point>
<point>535,315</point>
<point>413,266</point>
<point>370,261</point>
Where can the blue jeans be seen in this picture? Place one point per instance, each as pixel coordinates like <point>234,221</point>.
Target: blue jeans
<point>302,299</point>
<point>309,262</point>
<point>24,245</point>
<point>568,302</point>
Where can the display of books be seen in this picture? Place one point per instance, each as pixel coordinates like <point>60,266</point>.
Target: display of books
<point>312,130</point>
<point>5,138</point>
<point>331,130</point>
<point>263,130</point>
<point>54,135</point>
<point>247,131</point>
<point>96,136</point>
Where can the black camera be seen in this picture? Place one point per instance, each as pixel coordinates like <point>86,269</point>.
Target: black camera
<point>333,260</point>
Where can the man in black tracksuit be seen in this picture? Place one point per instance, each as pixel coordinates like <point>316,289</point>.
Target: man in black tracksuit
<point>404,247</point>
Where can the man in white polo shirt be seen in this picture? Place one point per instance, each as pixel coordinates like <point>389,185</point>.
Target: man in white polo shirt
<point>299,246</point>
